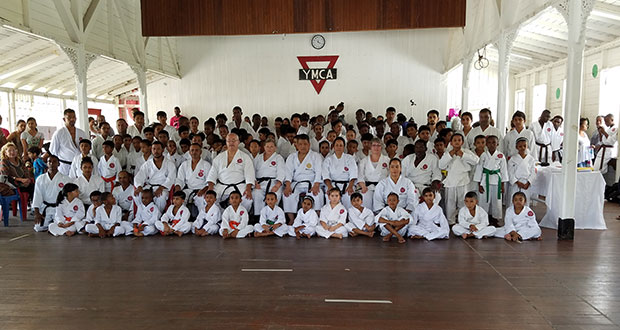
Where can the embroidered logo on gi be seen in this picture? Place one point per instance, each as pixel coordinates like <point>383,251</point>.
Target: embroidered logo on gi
<point>201,173</point>
<point>130,198</point>
<point>548,129</point>
<point>402,190</point>
<point>530,213</point>
<point>276,217</point>
<point>384,165</point>
<point>561,134</point>
<point>500,156</point>
<point>60,185</point>
<point>424,167</point>
<point>346,168</point>
<point>152,208</point>
<point>309,165</point>
<point>112,165</point>
<point>75,208</point>
<point>239,160</point>
<point>273,163</point>
<point>341,211</point>
<point>181,212</point>
<point>241,213</point>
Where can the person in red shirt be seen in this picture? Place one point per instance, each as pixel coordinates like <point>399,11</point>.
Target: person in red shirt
<point>174,121</point>
<point>5,131</point>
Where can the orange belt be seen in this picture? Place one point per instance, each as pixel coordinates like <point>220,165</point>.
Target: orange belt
<point>68,219</point>
<point>110,181</point>
<point>233,224</point>
<point>174,222</point>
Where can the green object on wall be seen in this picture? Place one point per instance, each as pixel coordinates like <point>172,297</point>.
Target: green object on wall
<point>557,93</point>
<point>594,70</point>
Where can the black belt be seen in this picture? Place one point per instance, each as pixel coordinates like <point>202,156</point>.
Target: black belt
<point>344,185</point>
<point>371,183</point>
<point>64,161</point>
<point>263,179</point>
<point>546,146</point>
<point>224,203</point>
<point>191,194</point>
<point>304,181</point>
<point>48,205</point>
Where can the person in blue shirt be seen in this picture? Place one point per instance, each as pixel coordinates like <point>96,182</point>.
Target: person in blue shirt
<point>37,162</point>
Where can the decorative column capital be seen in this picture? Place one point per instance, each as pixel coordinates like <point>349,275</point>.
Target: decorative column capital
<point>564,8</point>
<point>73,53</point>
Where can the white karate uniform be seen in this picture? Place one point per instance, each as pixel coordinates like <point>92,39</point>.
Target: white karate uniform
<point>121,155</point>
<point>315,144</point>
<point>407,193</point>
<point>179,159</point>
<point>285,148</point>
<point>88,186</point>
<point>542,150</point>
<point>524,224</point>
<point>308,169</point>
<point>268,172</point>
<point>307,219</point>
<point>148,215</point>
<point>109,169</point>
<point>425,173</point>
<point>177,222</point>
<point>339,171</point>
<point>191,180</point>
<point>125,199</point>
<point>208,220</point>
<point>393,215</point>
<point>358,219</point>
<point>134,131</point>
<point>522,170</point>
<point>429,223</point>
<point>480,220</point>
<point>457,181</point>
<point>65,148</point>
<point>90,215</point>
<point>238,220</point>
<point>609,150</point>
<point>269,216</point>
<point>488,200</point>
<point>97,144</point>
<point>510,142</point>
<point>76,166</point>
<point>68,212</point>
<point>150,176</point>
<point>46,191</point>
<point>135,161</point>
<point>239,173</point>
<point>107,221</point>
<point>557,137</point>
<point>371,174</point>
<point>244,125</point>
<point>332,216</point>
<point>471,137</point>
<point>402,142</point>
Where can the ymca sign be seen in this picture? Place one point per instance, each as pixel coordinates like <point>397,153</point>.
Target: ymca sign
<point>318,76</point>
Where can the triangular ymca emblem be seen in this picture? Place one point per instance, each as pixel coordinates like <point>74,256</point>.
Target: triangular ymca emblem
<point>318,76</point>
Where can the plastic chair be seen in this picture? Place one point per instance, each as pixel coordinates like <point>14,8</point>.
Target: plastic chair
<point>23,205</point>
<point>5,202</point>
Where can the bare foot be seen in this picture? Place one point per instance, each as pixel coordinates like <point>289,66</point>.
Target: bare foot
<point>179,233</point>
<point>70,233</point>
<point>464,236</point>
<point>387,238</point>
<point>337,235</point>
<point>401,240</point>
<point>372,234</point>
<point>308,236</point>
<point>353,233</point>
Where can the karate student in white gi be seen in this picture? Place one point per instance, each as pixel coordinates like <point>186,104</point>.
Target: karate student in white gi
<point>521,170</point>
<point>520,221</point>
<point>76,164</point>
<point>519,130</point>
<point>340,171</point>
<point>395,182</point>
<point>87,181</point>
<point>176,218</point>
<point>484,129</point>
<point>46,189</point>
<point>123,192</point>
<point>393,220</point>
<point>305,221</point>
<point>136,160</point>
<point>192,178</point>
<point>609,145</point>
<point>158,174</point>
<point>232,170</point>
<point>146,217</point>
<point>361,219</point>
<point>270,175</point>
<point>333,217</point>
<point>137,129</point>
<point>65,141</point>
<point>109,166</point>
<point>303,177</point>
<point>557,138</point>
<point>458,162</point>
<point>108,219</point>
<point>429,222</point>
<point>422,168</point>
<point>235,219</point>
<point>490,175</point>
<point>371,170</point>
<point>473,220</point>
<point>104,129</point>
<point>542,133</point>
<point>91,211</point>
<point>69,215</point>
<point>208,220</point>
<point>272,220</point>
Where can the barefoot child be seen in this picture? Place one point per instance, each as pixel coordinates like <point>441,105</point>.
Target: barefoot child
<point>235,219</point>
<point>521,170</point>
<point>333,217</point>
<point>147,215</point>
<point>272,221</point>
<point>107,218</point>
<point>176,218</point>
<point>361,219</point>
<point>393,220</point>
<point>490,175</point>
<point>520,221</point>
<point>473,220</point>
<point>208,220</point>
<point>95,202</point>
<point>69,212</point>
<point>109,166</point>
<point>123,192</point>
<point>305,221</point>
<point>428,219</point>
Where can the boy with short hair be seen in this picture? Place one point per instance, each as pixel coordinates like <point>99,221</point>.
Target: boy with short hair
<point>393,220</point>
<point>521,221</point>
<point>123,192</point>
<point>109,166</point>
<point>361,220</point>
<point>272,220</point>
<point>235,219</point>
<point>208,220</point>
<point>76,164</point>
<point>521,170</point>
<point>490,174</point>
<point>37,162</point>
<point>148,214</point>
<point>176,218</point>
<point>473,220</point>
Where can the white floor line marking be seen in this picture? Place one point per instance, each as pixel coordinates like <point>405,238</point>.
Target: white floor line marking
<point>358,301</point>
<point>282,260</point>
<point>266,270</point>
<point>18,237</point>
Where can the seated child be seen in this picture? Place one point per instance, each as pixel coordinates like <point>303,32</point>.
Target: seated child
<point>107,219</point>
<point>272,219</point>
<point>333,217</point>
<point>473,220</point>
<point>393,220</point>
<point>428,219</point>
<point>208,220</point>
<point>520,221</point>
<point>123,192</point>
<point>38,164</point>
<point>235,219</point>
<point>69,212</point>
<point>305,221</point>
<point>95,202</point>
<point>361,219</point>
<point>147,215</point>
<point>176,218</point>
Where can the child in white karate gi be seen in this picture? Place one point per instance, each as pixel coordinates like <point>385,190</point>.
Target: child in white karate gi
<point>107,219</point>
<point>176,218</point>
<point>393,220</point>
<point>428,219</point>
<point>490,175</point>
<point>305,221</point>
<point>521,171</point>
<point>69,212</point>
<point>272,220</point>
<point>147,215</point>
<point>235,219</point>
<point>95,202</point>
<point>473,220</point>
<point>521,221</point>
<point>109,166</point>
<point>333,217</point>
<point>361,219</point>
<point>208,220</point>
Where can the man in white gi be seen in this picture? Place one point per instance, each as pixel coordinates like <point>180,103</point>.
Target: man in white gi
<point>192,178</point>
<point>46,190</point>
<point>485,129</point>
<point>66,140</point>
<point>158,174</point>
<point>422,168</point>
<point>609,145</point>
<point>542,133</point>
<point>137,129</point>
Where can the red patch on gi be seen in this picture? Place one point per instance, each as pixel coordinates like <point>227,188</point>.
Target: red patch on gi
<point>75,208</point>
<point>561,134</point>
<point>500,156</point>
<point>241,213</point>
<point>530,213</point>
<point>424,167</point>
<point>152,208</point>
<point>384,164</point>
<point>112,165</point>
<point>548,129</point>
<point>61,185</point>
<point>239,160</point>
<point>346,168</point>
<point>341,211</point>
<point>402,190</point>
<point>201,173</point>
<point>181,212</point>
<point>273,163</point>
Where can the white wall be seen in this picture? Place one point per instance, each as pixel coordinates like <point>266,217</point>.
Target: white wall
<point>260,73</point>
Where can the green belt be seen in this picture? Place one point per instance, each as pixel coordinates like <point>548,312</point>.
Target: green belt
<point>499,182</point>
<point>270,222</point>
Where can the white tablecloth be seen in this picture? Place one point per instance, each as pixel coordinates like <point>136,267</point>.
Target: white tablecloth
<point>589,199</point>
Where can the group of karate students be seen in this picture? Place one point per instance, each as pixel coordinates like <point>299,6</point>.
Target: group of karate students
<point>417,182</point>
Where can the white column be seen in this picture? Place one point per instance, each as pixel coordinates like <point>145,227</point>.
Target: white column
<point>80,60</point>
<point>465,93</point>
<point>141,78</point>
<point>576,13</point>
<point>504,45</point>
<point>12,120</point>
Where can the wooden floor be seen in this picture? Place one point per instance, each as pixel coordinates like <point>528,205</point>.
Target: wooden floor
<point>198,283</point>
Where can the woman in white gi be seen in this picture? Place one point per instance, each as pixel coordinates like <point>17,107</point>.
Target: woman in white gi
<point>393,220</point>
<point>473,220</point>
<point>333,217</point>
<point>372,169</point>
<point>69,216</point>
<point>520,221</point>
<point>270,175</point>
<point>208,220</point>
<point>395,182</point>
<point>176,218</point>
<point>429,222</point>
<point>235,219</point>
<point>340,171</point>
<point>521,170</point>
<point>272,220</point>
<point>108,219</point>
<point>46,190</point>
<point>146,217</point>
<point>305,221</point>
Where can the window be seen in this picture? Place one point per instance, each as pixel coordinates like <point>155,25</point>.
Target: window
<point>520,100</point>
<point>455,88</point>
<point>539,101</point>
<point>609,98</point>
